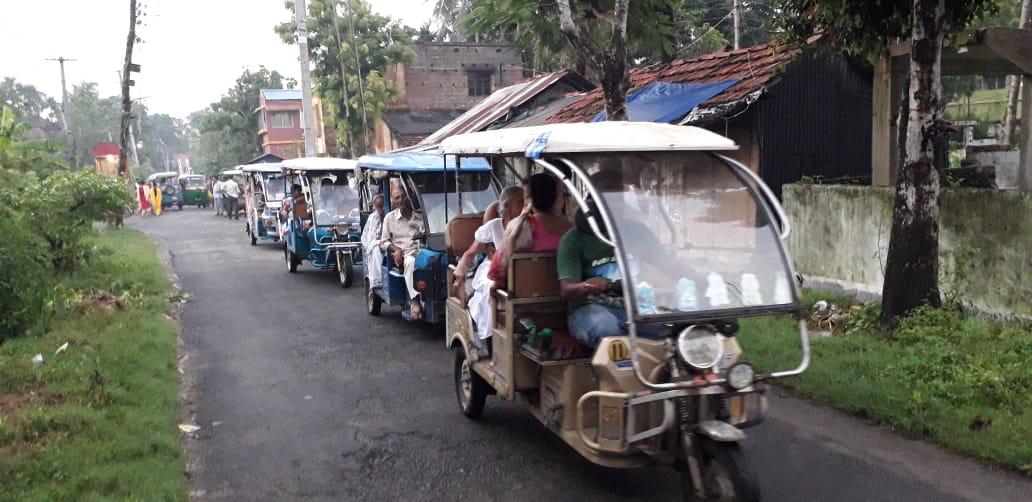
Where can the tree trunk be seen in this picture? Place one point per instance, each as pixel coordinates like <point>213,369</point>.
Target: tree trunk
<point>912,264</point>
<point>610,61</point>
<point>127,103</point>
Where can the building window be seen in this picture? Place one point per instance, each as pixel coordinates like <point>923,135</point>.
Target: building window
<point>479,83</point>
<point>281,120</point>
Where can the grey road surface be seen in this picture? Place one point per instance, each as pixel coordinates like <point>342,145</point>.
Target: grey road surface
<point>302,395</point>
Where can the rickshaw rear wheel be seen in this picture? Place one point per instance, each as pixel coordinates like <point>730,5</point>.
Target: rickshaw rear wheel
<point>470,389</point>
<point>292,260</point>
<point>345,270</point>
<point>373,302</point>
<point>727,474</point>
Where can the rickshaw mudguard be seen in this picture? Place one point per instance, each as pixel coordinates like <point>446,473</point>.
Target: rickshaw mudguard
<point>720,431</point>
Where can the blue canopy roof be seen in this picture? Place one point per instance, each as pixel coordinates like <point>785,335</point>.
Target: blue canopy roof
<point>416,161</point>
<point>665,102</point>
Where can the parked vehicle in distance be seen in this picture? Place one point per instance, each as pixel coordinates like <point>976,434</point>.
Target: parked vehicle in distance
<point>696,242</point>
<point>322,215</point>
<point>439,192</point>
<point>171,190</point>
<point>263,193</point>
<point>195,190</point>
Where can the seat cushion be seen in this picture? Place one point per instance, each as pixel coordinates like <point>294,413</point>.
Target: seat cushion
<point>458,236</point>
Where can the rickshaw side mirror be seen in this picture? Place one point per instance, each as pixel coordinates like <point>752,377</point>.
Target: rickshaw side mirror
<point>727,327</point>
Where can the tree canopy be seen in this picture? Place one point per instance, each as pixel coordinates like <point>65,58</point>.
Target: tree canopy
<point>227,132</point>
<point>351,49</point>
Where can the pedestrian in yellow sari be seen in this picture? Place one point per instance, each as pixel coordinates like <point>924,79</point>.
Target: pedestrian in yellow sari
<point>157,198</point>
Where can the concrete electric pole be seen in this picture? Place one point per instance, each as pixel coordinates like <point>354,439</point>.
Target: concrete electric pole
<point>736,13</point>
<point>66,119</point>
<point>307,110</point>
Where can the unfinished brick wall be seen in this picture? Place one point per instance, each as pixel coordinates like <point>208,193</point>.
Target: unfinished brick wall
<point>439,77</point>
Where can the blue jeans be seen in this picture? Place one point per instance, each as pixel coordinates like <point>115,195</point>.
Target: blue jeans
<point>591,323</point>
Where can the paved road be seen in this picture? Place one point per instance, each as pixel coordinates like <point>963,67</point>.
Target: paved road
<point>302,395</point>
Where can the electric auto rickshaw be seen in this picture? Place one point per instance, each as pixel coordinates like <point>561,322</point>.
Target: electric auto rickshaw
<point>322,208</point>
<point>263,193</point>
<point>439,192</point>
<point>171,191</point>
<point>195,190</point>
<point>696,242</point>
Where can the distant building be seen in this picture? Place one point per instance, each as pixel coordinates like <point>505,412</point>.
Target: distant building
<point>443,81</point>
<point>280,129</point>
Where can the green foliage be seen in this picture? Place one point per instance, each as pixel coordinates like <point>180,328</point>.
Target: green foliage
<point>30,105</point>
<point>334,37</point>
<point>64,206</point>
<point>94,120</point>
<point>97,421</point>
<point>867,27</point>
<point>227,133</point>
<point>961,381</point>
<point>25,155</point>
<point>534,28</point>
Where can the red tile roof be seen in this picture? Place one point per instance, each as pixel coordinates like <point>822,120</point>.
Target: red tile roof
<point>756,67</point>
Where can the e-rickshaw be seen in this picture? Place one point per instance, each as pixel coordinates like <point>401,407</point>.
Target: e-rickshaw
<point>697,241</point>
<point>195,190</point>
<point>323,215</point>
<point>439,193</point>
<point>171,191</point>
<point>263,193</point>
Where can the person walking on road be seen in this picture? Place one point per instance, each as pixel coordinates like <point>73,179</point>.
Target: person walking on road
<point>230,194</point>
<point>216,194</point>
<point>141,198</point>
<point>156,198</point>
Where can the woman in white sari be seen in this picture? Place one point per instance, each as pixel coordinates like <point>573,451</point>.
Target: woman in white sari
<point>371,243</point>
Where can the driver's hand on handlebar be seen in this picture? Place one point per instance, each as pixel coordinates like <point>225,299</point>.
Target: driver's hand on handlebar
<point>399,257</point>
<point>595,286</point>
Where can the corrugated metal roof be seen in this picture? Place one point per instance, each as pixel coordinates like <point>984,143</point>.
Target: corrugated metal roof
<point>281,94</point>
<point>418,122</point>
<point>498,104</point>
<point>755,67</point>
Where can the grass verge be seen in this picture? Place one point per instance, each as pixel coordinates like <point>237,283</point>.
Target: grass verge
<point>960,381</point>
<point>97,420</point>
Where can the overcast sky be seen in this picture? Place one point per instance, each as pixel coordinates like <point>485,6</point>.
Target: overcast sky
<point>192,50</point>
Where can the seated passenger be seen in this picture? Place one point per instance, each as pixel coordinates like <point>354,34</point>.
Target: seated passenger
<point>539,228</point>
<point>371,242</point>
<point>488,238</point>
<point>401,228</point>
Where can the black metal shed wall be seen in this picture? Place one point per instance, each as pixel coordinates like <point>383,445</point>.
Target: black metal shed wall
<point>816,121</point>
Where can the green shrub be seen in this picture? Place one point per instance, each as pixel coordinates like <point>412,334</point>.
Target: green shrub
<point>26,283</point>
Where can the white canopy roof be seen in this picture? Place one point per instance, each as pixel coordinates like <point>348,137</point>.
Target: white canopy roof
<point>587,137</point>
<point>231,172</point>
<point>163,174</point>
<point>264,167</point>
<point>320,164</point>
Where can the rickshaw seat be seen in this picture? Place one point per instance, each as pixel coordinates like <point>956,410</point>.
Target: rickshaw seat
<point>532,275</point>
<point>458,235</point>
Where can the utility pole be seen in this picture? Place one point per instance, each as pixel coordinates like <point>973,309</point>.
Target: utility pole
<point>361,90</point>
<point>307,110</point>
<point>344,84</point>
<point>66,120</point>
<point>128,67</point>
<point>1010,118</point>
<point>736,13</point>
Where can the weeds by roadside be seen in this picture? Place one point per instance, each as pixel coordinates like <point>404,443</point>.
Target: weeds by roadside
<point>959,380</point>
<point>96,419</point>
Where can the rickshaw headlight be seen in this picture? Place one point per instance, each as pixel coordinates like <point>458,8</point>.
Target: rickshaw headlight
<point>741,376</point>
<point>700,346</point>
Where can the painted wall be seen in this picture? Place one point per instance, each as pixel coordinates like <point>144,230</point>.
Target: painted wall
<point>840,237</point>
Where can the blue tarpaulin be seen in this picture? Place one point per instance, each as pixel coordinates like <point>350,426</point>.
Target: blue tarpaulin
<point>664,102</point>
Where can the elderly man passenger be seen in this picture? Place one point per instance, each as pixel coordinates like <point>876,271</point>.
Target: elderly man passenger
<point>371,242</point>
<point>401,227</point>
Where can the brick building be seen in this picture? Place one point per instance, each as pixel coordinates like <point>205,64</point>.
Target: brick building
<point>280,128</point>
<point>443,81</point>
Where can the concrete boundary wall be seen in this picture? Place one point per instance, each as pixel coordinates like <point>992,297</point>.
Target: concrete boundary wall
<point>840,237</point>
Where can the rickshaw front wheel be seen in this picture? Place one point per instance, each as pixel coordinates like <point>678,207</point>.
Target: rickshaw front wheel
<point>292,260</point>
<point>727,474</point>
<point>470,389</point>
<point>345,269</point>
